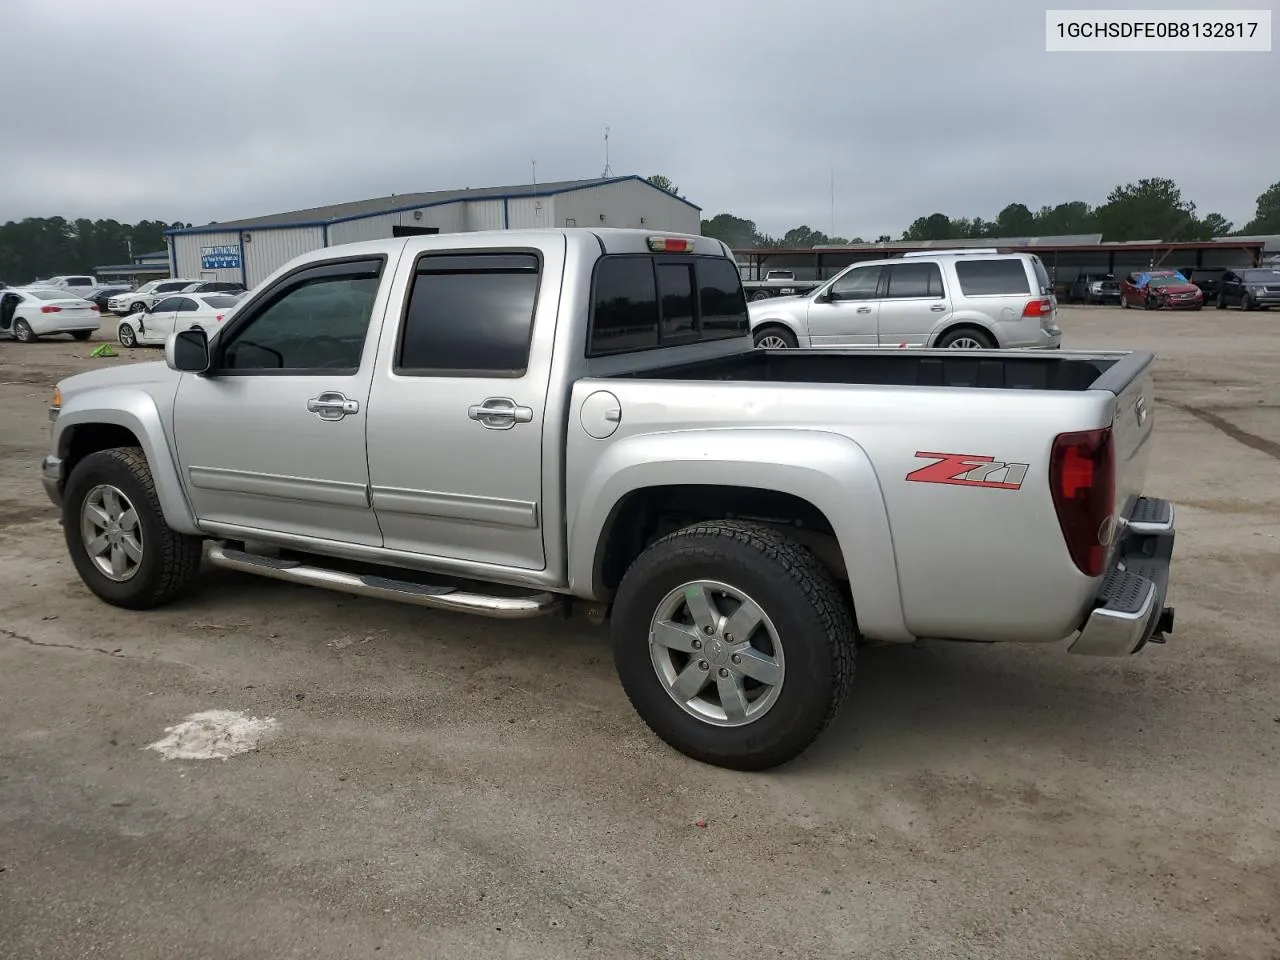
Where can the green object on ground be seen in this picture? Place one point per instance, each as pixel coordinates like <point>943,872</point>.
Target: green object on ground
<point>103,351</point>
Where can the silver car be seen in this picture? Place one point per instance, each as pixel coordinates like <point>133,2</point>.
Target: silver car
<point>963,299</point>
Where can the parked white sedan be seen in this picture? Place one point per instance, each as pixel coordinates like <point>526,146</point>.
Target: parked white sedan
<point>174,314</point>
<point>29,313</point>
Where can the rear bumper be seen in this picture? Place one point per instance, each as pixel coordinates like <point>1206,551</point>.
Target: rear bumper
<point>1129,609</point>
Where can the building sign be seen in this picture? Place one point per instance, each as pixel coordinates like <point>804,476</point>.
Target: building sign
<point>220,258</point>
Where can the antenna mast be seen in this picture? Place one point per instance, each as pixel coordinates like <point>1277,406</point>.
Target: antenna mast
<point>833,199</point>
<point>608,170</point>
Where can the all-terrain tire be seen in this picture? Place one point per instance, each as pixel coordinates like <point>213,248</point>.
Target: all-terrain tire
<point>787,582</point>
<point>170,561</point>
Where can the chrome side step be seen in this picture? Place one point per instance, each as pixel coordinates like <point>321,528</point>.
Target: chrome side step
<point>384,588</point>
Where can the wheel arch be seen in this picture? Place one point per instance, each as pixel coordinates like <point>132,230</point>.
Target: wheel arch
<point>818,484</point>
<point>124,418</point>
<point>964,322</point>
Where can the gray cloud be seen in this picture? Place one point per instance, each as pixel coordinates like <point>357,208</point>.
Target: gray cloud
<point>242,108</point>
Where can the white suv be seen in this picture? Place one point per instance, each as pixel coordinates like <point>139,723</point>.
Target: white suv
<point>976,299</point>
<point>145,296</point>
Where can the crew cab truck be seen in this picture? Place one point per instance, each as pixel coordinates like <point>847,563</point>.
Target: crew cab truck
<point>778,283</point>
<point>520,423</point>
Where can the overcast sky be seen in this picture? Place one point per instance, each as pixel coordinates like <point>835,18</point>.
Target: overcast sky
<point>212,111</point>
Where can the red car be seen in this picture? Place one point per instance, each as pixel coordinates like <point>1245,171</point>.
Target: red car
<point>1160,290</point>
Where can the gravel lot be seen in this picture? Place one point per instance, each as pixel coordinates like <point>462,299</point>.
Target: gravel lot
<point>452,787</point>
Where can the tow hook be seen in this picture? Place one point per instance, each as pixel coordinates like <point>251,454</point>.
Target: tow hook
<point>1163,625</point>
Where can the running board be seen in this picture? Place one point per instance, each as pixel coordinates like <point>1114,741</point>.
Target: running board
<point>385,588</point>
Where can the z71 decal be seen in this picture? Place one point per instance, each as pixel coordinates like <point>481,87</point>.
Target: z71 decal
<point>969,470</point>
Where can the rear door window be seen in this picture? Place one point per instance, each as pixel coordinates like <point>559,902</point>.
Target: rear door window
<point>915,281</point>
<point>990,278</point>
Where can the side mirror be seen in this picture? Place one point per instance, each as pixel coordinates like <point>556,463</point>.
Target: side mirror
<point>187,351</point>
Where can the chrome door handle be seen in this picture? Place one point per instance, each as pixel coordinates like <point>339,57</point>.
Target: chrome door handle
<point>937,308</point>
<point>864,309</point>
<point>332,405</point>
<point>499,413</point>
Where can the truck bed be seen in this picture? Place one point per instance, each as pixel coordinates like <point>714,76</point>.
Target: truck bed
<point>924,368</point>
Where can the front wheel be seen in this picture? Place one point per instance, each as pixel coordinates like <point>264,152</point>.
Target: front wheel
<point>137,307</point>
<point>1222,302</point>
<point>1246,303</point>
<point>1124,304</point>
<point>116,534</point>
<point>126,335</point>
<point>733,643</point>
<point>775,337</point>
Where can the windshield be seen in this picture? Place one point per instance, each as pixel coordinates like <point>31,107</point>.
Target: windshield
<point>148,286</point>
<point>1262,276</point>
<point>1168,279</point>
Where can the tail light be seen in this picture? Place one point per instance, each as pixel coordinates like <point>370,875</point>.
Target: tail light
<point>48,309</point>
<point>1040,307</point>
<point>93,307</point>
<point>670,245</point>
<point>1082,477</point>
<point>219,317</point>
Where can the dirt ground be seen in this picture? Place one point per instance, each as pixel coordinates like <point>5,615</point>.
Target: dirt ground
<point>449,787</point>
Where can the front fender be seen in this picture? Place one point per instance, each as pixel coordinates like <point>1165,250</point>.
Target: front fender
<point>831,472</point>
<point>782,318</point>
<point>136,411</point>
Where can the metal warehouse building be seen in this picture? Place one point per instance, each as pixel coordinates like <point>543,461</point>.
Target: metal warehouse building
<point>250,250</point>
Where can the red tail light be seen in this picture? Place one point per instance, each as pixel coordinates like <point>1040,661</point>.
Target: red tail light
<point>669,245</point>
<point>50,309</point>
<point>1082,477</point>
<point>93,307</point>
<point>1041,307</point>
<point>219,317</point>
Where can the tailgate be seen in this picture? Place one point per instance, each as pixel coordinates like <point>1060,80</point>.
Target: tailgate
<point>1132,383</point>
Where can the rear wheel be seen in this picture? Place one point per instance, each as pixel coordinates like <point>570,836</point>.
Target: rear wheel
<point>116,534</point>
<point>760,295</point>
<point>733,644</point>
<point>966,338</point>
<point>81,335</point>
<point>775,337</point>
<point>23,333</point>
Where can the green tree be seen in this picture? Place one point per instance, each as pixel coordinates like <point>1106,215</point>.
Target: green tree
<point>1065,218</point>
<point>1216,225</point>
<point>936,226</point>
<point>664,183</point>
<point>735,231</point>
<point>1015,220</point>
<point>1151,209</point>
<point>1267,217</point>
<point>803,237</point>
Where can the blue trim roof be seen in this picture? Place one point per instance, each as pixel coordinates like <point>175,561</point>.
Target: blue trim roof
<point>447,198</point>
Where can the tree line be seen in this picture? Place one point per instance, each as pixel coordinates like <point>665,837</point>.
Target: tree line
<point>40,247</point>
<point>1151,209</point>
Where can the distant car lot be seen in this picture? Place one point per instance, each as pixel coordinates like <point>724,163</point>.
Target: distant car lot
<point>483,787</point>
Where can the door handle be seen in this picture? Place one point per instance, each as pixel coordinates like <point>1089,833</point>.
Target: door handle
<point>332,405</point>
<point>937,308</point>
<point>864,309</point>
<point>499,413</point>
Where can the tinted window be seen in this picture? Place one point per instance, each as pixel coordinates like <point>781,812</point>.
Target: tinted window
<point>51,295</point>
<point>859,284</point>
<point>724,306</point>
<point>915,280</point>
<point>1261,276</point>
<point>167,305</point>
<point>169,287</point>
<point>79,282</point>
<point>985,278</point>
<point>675,285</point>
<point>626,306</point>
<point>220,303</point>
<point>314,321</point>
<point>186,304</point>
<point>470,313</point>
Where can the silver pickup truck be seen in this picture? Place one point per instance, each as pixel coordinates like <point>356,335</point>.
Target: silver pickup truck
<point>528,422</point>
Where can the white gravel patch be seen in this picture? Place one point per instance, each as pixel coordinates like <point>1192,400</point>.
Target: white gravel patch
<point>214,735</point>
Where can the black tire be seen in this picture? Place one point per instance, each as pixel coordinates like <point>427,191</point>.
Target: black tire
<point>812,620</point>
<point>1222,302</point>
<point>971,333</point>
<point>137,306</point>
<point>125,333</point>
<point>81,335</point>
<point>1247,304</point>
<point>170,561</point>
<point>23,333</point>
<point>1124,304</point>
<point>780,332</point>
<point>760,295</point>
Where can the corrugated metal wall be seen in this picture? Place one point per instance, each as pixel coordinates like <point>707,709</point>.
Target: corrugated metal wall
<point>267,250</point>
<point>188,249</point>
<point>484,215</point>
<point>526,212</point>
<point>449,218</point>
<point>625,205</point>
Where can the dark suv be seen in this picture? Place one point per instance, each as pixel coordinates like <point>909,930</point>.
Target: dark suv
<point>1250,288</point>
<point>1207,279</point>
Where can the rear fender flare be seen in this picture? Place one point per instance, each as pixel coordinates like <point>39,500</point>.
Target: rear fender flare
<point>828,470</point>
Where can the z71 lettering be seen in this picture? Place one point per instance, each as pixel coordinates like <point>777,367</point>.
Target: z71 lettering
<point>969,470</point>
